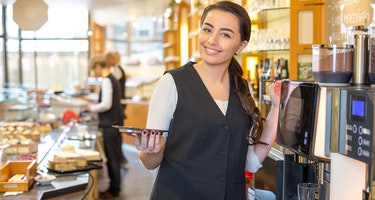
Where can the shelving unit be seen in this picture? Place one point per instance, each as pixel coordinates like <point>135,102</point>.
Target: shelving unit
<point>308,26</point>
<point>284,25</point>
<point>194,27</point>
<point>269,39</point>
<point>171,48</point>
<point>172,35</point>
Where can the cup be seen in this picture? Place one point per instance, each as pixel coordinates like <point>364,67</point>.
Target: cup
<point>308,191</point>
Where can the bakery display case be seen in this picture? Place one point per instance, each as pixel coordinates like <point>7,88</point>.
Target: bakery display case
<point>71,153</point>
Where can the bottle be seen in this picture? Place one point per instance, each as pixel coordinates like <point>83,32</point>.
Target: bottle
<point>276,69</point>
<point>285,71</point>
<point>267,69</point>
<point>256,81</point>
<point>271,69</point>
<point>261,70</point>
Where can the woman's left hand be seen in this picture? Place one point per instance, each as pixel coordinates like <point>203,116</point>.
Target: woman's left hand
<point>150,141</point>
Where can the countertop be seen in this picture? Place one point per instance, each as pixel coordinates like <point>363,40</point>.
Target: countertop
<point>70,186</point>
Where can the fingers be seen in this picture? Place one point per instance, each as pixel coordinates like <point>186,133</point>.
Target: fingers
<point>144,139</point>
<point>275,91</point>
<point>150,141</point>
<point>277,87</point>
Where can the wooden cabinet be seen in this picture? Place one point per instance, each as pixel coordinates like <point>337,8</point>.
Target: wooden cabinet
<point>171,48</point>
<point>174,39</point>
<point>136,116</point>
<point>97,39</point>
<point>194,28</point>
<point>307,27</point>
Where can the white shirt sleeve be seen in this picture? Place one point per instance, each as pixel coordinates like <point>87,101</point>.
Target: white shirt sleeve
<point>162,104</point>
<point>252,161</point>
<point>106,102</point>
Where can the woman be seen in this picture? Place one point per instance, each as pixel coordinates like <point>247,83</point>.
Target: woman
<point>211,117</point>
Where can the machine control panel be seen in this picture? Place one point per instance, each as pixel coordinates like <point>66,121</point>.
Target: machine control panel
<point>357,123</point>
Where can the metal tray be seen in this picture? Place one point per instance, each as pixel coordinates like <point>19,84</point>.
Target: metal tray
<point>90,166</point>
<point>131,130</point>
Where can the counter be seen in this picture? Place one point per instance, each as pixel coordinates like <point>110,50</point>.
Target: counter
<point>76,185</point>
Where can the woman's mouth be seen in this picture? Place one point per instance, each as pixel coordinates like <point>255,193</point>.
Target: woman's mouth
<point>211,51</point>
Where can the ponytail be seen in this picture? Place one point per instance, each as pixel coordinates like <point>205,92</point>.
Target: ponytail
<point>248,104</point>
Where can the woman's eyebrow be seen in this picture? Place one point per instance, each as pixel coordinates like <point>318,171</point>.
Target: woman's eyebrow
<point>224,29</point>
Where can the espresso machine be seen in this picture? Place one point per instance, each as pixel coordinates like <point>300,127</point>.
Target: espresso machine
<point>304,130</point>
<point>309,118</point>
<point>352,160</point>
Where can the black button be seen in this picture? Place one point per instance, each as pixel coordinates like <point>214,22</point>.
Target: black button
<point>226,127</point>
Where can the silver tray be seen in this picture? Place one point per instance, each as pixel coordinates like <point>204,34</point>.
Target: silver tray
<point>131,130</point>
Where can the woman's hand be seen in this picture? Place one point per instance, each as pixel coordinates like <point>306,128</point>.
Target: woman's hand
<point>150,141</point>
<point>275,91</point>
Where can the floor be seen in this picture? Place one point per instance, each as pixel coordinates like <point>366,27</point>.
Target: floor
<point>137,181</point>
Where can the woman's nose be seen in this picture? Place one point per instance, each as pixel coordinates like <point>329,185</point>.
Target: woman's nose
<point>212,40</point>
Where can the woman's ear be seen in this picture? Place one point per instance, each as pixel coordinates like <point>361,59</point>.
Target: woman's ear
<point>242,46</point>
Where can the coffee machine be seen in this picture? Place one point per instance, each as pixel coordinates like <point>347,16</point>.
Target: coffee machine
<point>308,126</point>
<point>307,117</point>
<point>352,158</point>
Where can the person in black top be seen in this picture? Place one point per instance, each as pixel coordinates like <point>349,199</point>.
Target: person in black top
<point>110,113</point>
<point>214,128</point>
<point>113,59</point>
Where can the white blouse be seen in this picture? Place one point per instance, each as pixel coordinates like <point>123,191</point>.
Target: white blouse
<point>106,103</point>
<point>163,104</point>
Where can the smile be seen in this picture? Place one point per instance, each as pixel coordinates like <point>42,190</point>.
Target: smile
<point>211,51</point>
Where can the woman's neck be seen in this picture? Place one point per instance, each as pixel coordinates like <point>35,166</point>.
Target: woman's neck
<point>106,72</point>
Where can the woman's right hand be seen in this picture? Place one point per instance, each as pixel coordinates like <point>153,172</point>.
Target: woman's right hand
<point>150,141</point>
<point>275,91</point>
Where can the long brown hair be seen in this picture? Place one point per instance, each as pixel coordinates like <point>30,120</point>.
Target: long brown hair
<point>235,69</point>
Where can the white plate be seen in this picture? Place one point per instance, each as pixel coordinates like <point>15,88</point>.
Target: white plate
<point>44,179</point>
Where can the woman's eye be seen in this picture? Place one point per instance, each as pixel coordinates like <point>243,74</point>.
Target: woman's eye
<point>207,30</point>
<point>226,35</point>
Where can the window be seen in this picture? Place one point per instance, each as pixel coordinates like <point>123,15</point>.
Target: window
<point>56,55</point>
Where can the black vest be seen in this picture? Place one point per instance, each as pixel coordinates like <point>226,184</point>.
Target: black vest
<point>122,81</point>
<point>115,115</point>
<point>205,152</point>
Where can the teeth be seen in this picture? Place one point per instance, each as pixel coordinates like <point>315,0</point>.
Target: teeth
<point>211,50</point>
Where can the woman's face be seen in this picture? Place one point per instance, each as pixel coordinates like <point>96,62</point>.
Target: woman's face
<point>219,38</point>
<point>97,71</point>
<point>111,61</point>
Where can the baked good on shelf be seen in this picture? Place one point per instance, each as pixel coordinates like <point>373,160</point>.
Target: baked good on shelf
<point>88,154</point>
<point>68,148</point>
<point>62,165</point>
